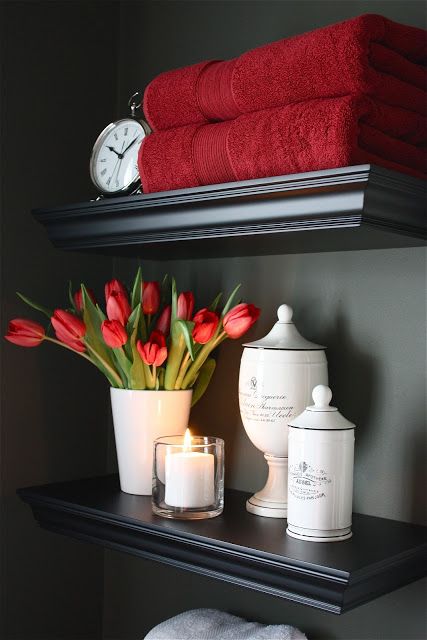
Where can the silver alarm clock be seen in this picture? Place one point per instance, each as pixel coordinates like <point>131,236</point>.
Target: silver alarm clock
<point>114,158</point>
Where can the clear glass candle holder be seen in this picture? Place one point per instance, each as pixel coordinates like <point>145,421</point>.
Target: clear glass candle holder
<point>188,479</point>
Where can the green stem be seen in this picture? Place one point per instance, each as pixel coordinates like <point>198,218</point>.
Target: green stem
<point>105,364</point>
<point>182,370</point>
<point>174,361</point>
<point>62,344</point>
<point>201,358</point>
<point>150,376</point>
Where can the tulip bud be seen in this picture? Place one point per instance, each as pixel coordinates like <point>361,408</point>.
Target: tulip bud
<point>150,298</point>
<point>185,305</point>
<point>25,333</point>
<point>114,286</point>
<point>114,333</point>
<point>69,329</point>
<point>154,351</point>
<point>205,325</point>
<point>164,321</point>
<point>118,307</point>
<point>78,298</point>
<point>239,319</point>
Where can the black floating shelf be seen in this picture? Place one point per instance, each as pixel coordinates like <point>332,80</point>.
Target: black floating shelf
<point>238,547</point>
<point>360,207</point>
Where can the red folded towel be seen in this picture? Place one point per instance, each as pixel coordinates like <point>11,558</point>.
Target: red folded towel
<point>318,134</point>
<point>368,54</point>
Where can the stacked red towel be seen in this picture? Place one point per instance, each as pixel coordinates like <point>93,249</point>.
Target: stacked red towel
<point>319,134</point>
<point>299,104</point>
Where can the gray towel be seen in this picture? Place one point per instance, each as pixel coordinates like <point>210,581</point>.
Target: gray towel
<point>211,624</point>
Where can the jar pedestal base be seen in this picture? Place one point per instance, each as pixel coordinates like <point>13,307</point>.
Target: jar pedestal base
<point>272,500</point>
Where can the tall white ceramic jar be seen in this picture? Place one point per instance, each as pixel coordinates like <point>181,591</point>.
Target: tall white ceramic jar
<point>321,451</point>
<point>277,375</point>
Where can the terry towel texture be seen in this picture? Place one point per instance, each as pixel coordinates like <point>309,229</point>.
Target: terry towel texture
<point>307,136</point>
<point>211,624</point>
<point>368,54</point>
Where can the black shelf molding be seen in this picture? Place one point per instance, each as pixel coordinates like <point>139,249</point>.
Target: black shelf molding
<point>238,547</point>
<point>359,207</point>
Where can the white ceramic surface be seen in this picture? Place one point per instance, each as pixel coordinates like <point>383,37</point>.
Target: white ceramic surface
<point>139,418</point>
<point>275,385</point>
<point>321,451</point>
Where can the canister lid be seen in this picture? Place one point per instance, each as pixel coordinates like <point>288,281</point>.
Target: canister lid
<point>321,415</point>
<point>284,335</point>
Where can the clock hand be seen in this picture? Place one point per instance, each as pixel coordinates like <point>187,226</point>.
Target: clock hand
<point>118,163</point>
<point>111,177</point>
<point>116,152</point>
<point>129,145</point>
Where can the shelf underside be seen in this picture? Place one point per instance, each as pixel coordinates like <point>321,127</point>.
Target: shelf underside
<point>360,207</point>
<point>238,547</point>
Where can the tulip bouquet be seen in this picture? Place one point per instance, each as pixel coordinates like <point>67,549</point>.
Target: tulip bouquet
<point>143,340</point>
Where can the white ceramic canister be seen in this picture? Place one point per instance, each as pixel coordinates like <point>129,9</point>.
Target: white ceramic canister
<point>321,452</point>
<point>277,375</point>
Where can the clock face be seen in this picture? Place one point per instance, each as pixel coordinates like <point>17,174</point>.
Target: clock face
<point>113,164</point>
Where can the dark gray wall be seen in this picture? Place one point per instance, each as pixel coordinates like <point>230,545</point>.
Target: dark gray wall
<point>58,90</point>
<point>368,307</point>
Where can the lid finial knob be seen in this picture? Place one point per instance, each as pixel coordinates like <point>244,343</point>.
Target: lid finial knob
<point>322,395</point>
<point>285,313</point>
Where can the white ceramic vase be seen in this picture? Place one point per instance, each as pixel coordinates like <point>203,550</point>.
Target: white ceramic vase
<point>139,418</point>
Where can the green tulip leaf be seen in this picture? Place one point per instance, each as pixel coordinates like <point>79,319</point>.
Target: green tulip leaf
<point>123,365</point>
<point>203,379</point>
<point>230,301</point>
<point>137,289</point>
<point>93,318</point>
<point>137,376</point>
<point>34,305</point>
<point>184,328</point>
<point>164,291</point>
<point>70,295</point>
<point>174,302</point>
<point>215,303</point>
<point>132,324</point>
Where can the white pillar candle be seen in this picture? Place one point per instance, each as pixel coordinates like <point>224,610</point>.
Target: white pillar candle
<point>189,479</point>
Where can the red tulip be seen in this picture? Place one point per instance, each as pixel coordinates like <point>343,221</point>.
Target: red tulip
<point>78,298</point>
<point>114,286</point>
<point>154,351</point>
<point>163,323</point>
<point>150,298</point>
<point>69,329</point>
<point>114,333</point>
<point>25,333</point>
<point>185,305</point>
<point>206,323</point>
<point>118,307</point>
<point>239,319</point>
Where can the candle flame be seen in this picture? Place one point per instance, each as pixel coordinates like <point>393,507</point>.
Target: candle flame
<point>187,440</point>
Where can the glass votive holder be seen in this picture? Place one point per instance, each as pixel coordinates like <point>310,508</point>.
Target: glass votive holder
<point>188,477</point>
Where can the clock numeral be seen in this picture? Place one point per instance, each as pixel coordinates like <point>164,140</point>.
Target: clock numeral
<point>108,181</point>
<point>103,160</point>
<point>126,131</point>
<point>103,172</point>
<point>117,182</point>
<point>116,136</point>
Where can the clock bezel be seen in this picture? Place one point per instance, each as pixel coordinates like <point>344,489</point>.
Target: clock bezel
<point>98,142</point>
